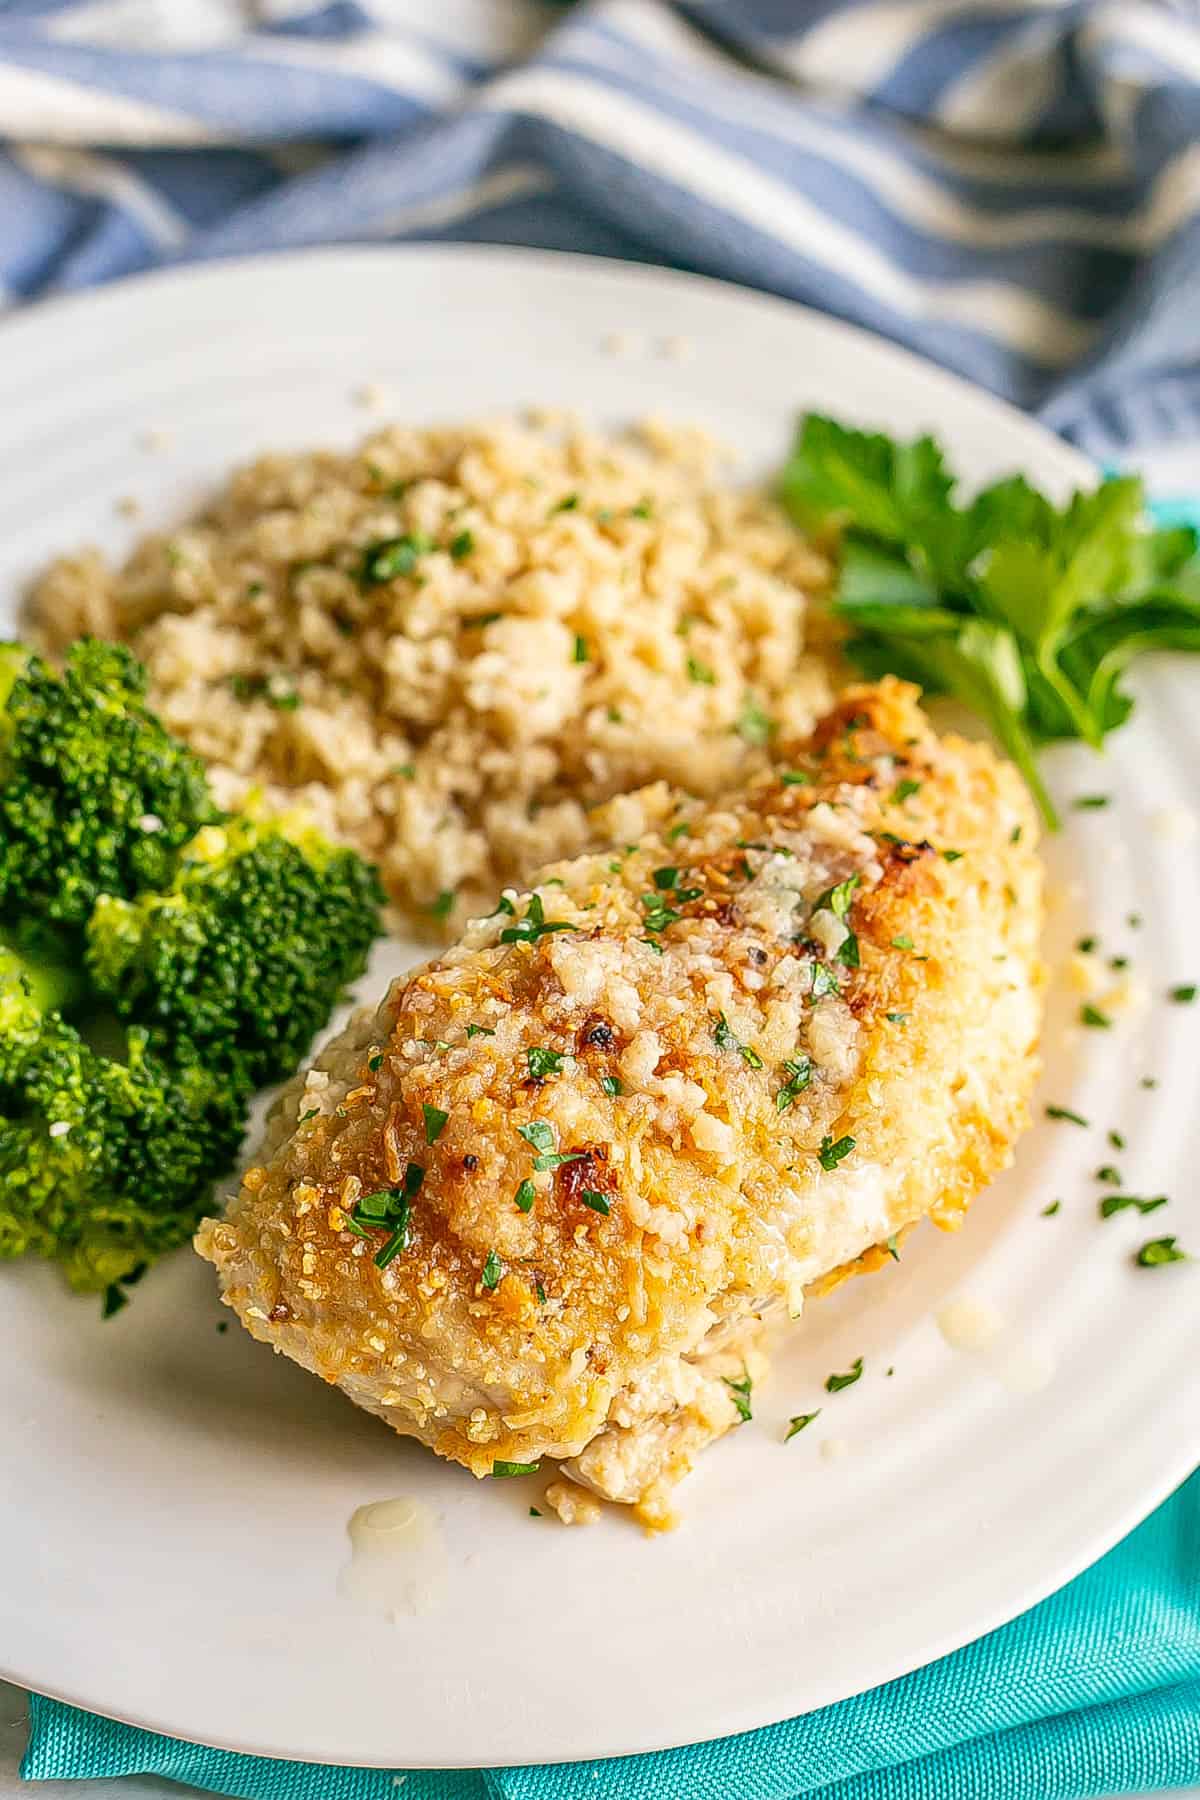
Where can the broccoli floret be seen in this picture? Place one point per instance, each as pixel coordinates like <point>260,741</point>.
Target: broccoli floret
<point>95,797</point>
<point>245,955</point>
<point>104,1163</point>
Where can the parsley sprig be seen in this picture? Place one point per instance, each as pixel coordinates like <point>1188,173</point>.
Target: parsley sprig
<point>1028,613</point>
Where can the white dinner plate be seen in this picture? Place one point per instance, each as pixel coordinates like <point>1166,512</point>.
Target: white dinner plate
<point>174,1501</point>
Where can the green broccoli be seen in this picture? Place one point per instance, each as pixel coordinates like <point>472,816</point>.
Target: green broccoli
<point>104,1163</point>
<point>209,947</point>
<point>95,797</point>
<point>245,955</point>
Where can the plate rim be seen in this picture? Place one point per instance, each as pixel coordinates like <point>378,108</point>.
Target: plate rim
<point>49,314</point>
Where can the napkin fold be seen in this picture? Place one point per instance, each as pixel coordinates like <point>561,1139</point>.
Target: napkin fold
<point>1094,1692</point>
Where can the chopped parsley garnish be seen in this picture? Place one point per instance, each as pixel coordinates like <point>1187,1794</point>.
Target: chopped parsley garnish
<point>375,1062</point>
<point>824,982</point>
<point>1184,994</point>
<point>643,510</point>
<point>1086,945</point>
<point>700,672</point>
<point>799,1074</point>
<point>665,879</point>
<point>310,1114</point>
<point>1014,836</point>
<point>739,1393</point>
<point>610,1085</point>
<point>753,726</point>
<point>904,942</point>
<point>1091,802</point>
<point>726,1040</point>
<point>838,900</point>
<point>904,790</point>
<point>795,778</point>
<point>581,654</point>
<point>893,1249</point>
<point>832,1151</point>
<point>539,1133</point>
<point>568,503</point>
<point>1115,1203</point>
<point>525,1196</point>
<point>480,1031</point>
<point>388,1210</point>
<point>953,856</point>
<point>1158,1251</point>
<point>493,1268</point>
<point>435,1122</point>
<point>798,1422</point>
<point>896,1018</point>
<point>114,1299</point>
<point>835,1383</point>
<point>534,925</point>
<point>443,906</point>
<point>596,1201</point>
<point>1116,1140</point>
<point>543,1062</point>
<point>392,557</point>
<point>1048,1212</point>
<point>658,914</point>
<point>503,1469</point>
<point>1091,1015</point>
<point>1109,1174</point>
<point>274,689</point>
<point>683,829</point>
<point>1064,1112</point>
<point>462,545</point>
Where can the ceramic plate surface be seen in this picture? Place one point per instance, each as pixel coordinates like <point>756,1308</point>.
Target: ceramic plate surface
<point>174,1501</point>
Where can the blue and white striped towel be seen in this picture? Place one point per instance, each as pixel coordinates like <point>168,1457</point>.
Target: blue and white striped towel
<point>1010,186</point>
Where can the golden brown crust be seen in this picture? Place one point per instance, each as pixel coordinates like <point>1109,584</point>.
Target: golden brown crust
<point>684,996</point>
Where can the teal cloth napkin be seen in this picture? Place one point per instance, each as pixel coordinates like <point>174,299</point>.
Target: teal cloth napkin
<point>1096,1691</point>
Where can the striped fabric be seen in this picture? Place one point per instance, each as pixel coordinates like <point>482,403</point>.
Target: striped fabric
<point>1010,186</point>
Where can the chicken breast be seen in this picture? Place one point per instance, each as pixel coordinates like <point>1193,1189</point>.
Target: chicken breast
<point>546,1199</point>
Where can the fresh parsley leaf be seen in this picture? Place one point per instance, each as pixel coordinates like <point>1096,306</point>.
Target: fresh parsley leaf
<point>534,925</point>
<point>596,1201</point>
<point>539,1133</point>
<point>525,1196</point>
<point>610,1085</point>
<point>903,790</point>
<point>739,1393</point>
<point>435,1123</point>
<point>502,1470</point>
<point>1091,1015</point>
<point>824,982</point>
<point>1184,994</point>
<point>391,557</point>
<point>1048,1212</point>
<point>1115,1203</point>
<point>753,726</point>
<point>798,1422</point>
<point>493,1268</point>
<point>543,1062</point>
<point>726,1040</point>
<point>1064,1112</point>
<point>1158,1251</point>
<point>799,1074</point>
<point>835,1383</point>
<point>795,778</point>
<point>1027,612</point>
<point>700,672</point>
<point>480,1031</point>
<point>832,1153</point>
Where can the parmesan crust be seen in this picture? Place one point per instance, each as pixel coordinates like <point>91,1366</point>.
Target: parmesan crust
<point>786,1032</point>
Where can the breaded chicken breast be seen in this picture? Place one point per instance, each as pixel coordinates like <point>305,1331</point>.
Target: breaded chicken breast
<point>544,1201</point>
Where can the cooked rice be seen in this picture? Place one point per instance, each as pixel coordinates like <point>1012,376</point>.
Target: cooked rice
<point>596,614</point>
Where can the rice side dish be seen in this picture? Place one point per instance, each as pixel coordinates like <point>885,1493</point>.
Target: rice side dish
<point>449,644</point>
